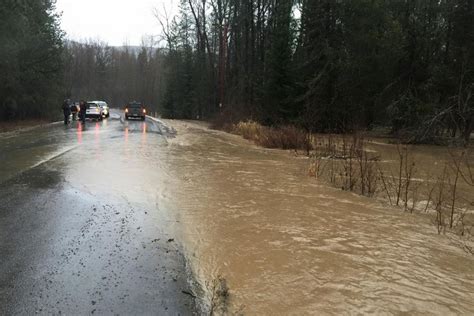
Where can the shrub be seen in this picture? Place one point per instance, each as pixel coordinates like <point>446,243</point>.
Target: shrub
<point>286,137</point>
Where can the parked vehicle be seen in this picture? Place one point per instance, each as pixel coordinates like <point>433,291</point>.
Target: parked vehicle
<point>135,110</point>
<point>94,111</point>
<point>104,106</point>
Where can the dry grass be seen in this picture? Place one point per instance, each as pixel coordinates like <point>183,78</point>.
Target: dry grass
<point>286,137</point>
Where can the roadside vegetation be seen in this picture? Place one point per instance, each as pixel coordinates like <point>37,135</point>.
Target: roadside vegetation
<point>287,137</point>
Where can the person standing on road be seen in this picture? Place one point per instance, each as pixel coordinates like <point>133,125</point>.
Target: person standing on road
<point>82,111</point>
<point>66,111</point>
<point>74,111</point>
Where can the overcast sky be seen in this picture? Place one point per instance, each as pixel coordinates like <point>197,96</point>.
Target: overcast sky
<point>113,21</point>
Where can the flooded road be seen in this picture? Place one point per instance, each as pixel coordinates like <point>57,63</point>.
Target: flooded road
<point>102,221</point>
<point>288,245</point>
<point>81,227</point>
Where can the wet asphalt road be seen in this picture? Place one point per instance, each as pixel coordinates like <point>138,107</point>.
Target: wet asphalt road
<point>82,227</point>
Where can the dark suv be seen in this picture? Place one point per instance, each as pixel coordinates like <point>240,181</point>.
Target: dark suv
<point>135,110</point>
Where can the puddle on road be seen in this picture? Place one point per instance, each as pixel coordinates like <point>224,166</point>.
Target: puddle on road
<point>287,245</point>
<point>93,236</point>
<point>148,126</point>
<point>27,149</point>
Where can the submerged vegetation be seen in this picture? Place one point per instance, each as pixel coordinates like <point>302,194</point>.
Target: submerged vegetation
<point>445,191</point>
<point>400,177</point>
<point>219,296</point>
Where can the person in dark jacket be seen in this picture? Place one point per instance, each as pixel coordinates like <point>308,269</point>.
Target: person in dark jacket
<point>74,111</point>
<point>82,111</point>
<point>66,111</point>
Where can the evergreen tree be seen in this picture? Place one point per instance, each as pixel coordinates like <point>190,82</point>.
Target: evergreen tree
<point>30,59</point>
<point>277,81</point>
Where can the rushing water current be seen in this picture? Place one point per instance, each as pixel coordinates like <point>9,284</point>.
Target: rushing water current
<point>287,244</point>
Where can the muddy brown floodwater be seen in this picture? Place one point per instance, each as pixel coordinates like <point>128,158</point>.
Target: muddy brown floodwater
<point>287,244</point>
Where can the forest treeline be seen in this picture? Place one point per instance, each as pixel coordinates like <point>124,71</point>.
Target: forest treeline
<point>118,75</point>
<point>326,66</point>
<point>321,65</point>
<point>31,65</point>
